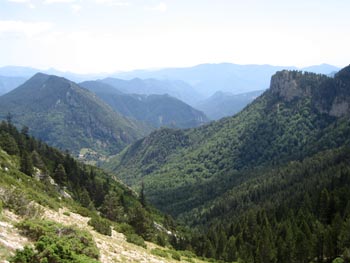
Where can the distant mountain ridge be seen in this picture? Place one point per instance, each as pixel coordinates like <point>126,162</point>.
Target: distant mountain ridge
<point>224,104</point>
<point>157,110</point>
<point>227,77</point>
<point>205,79</point>
<point>9,83</point>
<point>27,72</point>
<point>67,116</point>
<point>176,88</point>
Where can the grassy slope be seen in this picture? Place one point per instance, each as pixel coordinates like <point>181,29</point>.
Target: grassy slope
<point>113,248</point>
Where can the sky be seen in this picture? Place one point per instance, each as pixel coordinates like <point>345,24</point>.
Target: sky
<point>91,36</point>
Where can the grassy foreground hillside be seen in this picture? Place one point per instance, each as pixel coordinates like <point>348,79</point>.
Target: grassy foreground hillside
<point>55,209</point>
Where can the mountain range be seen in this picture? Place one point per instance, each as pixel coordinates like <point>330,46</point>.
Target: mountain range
<point>224,104</point>
<point>176,88</point>
<point>269,184</point>
<point>206,79</point>
<point>157,110</point>
<point>189,84</point>
<point>67,116</point>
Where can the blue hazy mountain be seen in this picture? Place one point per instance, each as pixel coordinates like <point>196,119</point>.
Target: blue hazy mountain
<point>325,69</point>
<point>28,72</point>
<point>224,104</point>
<point>175,88</point>
<point>9,83</point>
<point>189,84</point>
<point>159,110</point>
<point>227,77</point>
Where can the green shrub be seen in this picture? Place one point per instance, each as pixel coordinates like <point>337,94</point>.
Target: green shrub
<point>175,255</point>
<point>84,211</point>
<point>124,228</point>
<point>101,225</point>
<point>338,260</point>
<point>187,253</point>
<point>17,202</point>
<point>136,239</point>
<point>56,243</point>
<point>66,213</point>
<point>161,239</point>
<point>25,255</point>
<point>159,252</point>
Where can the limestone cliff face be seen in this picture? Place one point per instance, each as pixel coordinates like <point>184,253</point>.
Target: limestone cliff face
<point>328,95</point>
<point>285,84</point>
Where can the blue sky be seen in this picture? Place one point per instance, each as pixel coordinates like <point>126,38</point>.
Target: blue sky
<point>87,36</point>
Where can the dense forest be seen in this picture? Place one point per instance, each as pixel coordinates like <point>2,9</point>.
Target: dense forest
<point>269,184</point>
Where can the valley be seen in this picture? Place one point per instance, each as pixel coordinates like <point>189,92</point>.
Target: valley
<point>267,181</point>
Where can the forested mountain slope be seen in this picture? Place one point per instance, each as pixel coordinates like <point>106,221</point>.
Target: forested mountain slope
<point>269,184</point>
<point>157,110</point>
<point>300,115</point>
<point>67,116</point>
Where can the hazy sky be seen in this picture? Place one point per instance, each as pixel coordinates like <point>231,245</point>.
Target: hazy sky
<point>110,35</point>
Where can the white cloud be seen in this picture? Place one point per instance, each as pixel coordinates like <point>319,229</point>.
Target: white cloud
<point>113,2</point>
<point>27,2</point>
<point>19,1</point>
<point>76,8</point>
<point>161,7</point>
<point>28,29</point>
<point>58,1</point>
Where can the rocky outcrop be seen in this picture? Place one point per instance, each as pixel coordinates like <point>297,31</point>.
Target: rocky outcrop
<point>328,95</point>
<point>285,85</point>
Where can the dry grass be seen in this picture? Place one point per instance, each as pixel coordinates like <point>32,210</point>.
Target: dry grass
<point>112,248</point>
<point>10,238</point>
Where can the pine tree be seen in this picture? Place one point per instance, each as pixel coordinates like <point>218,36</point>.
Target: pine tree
<point>8,144</point>
<point>60,174</point>
<point>344,240</point>
<point>142,195</point>
<point>112,207</point>
<point>324,207</point>
<point>26,164</point>
<point>231,250</point>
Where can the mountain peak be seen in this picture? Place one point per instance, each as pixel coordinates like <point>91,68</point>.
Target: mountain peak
<point>285,84</point>
<point>48,104</point>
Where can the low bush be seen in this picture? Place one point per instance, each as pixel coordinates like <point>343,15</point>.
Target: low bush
<point>187,253</point>
<point>101,225</point>
<point>136,239</point>
<point>124,228</point>
<point>66,213</point>
<point>175,255</point>
<point>17,202</point>
<point>55,243</point>
<point>159,252</point>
